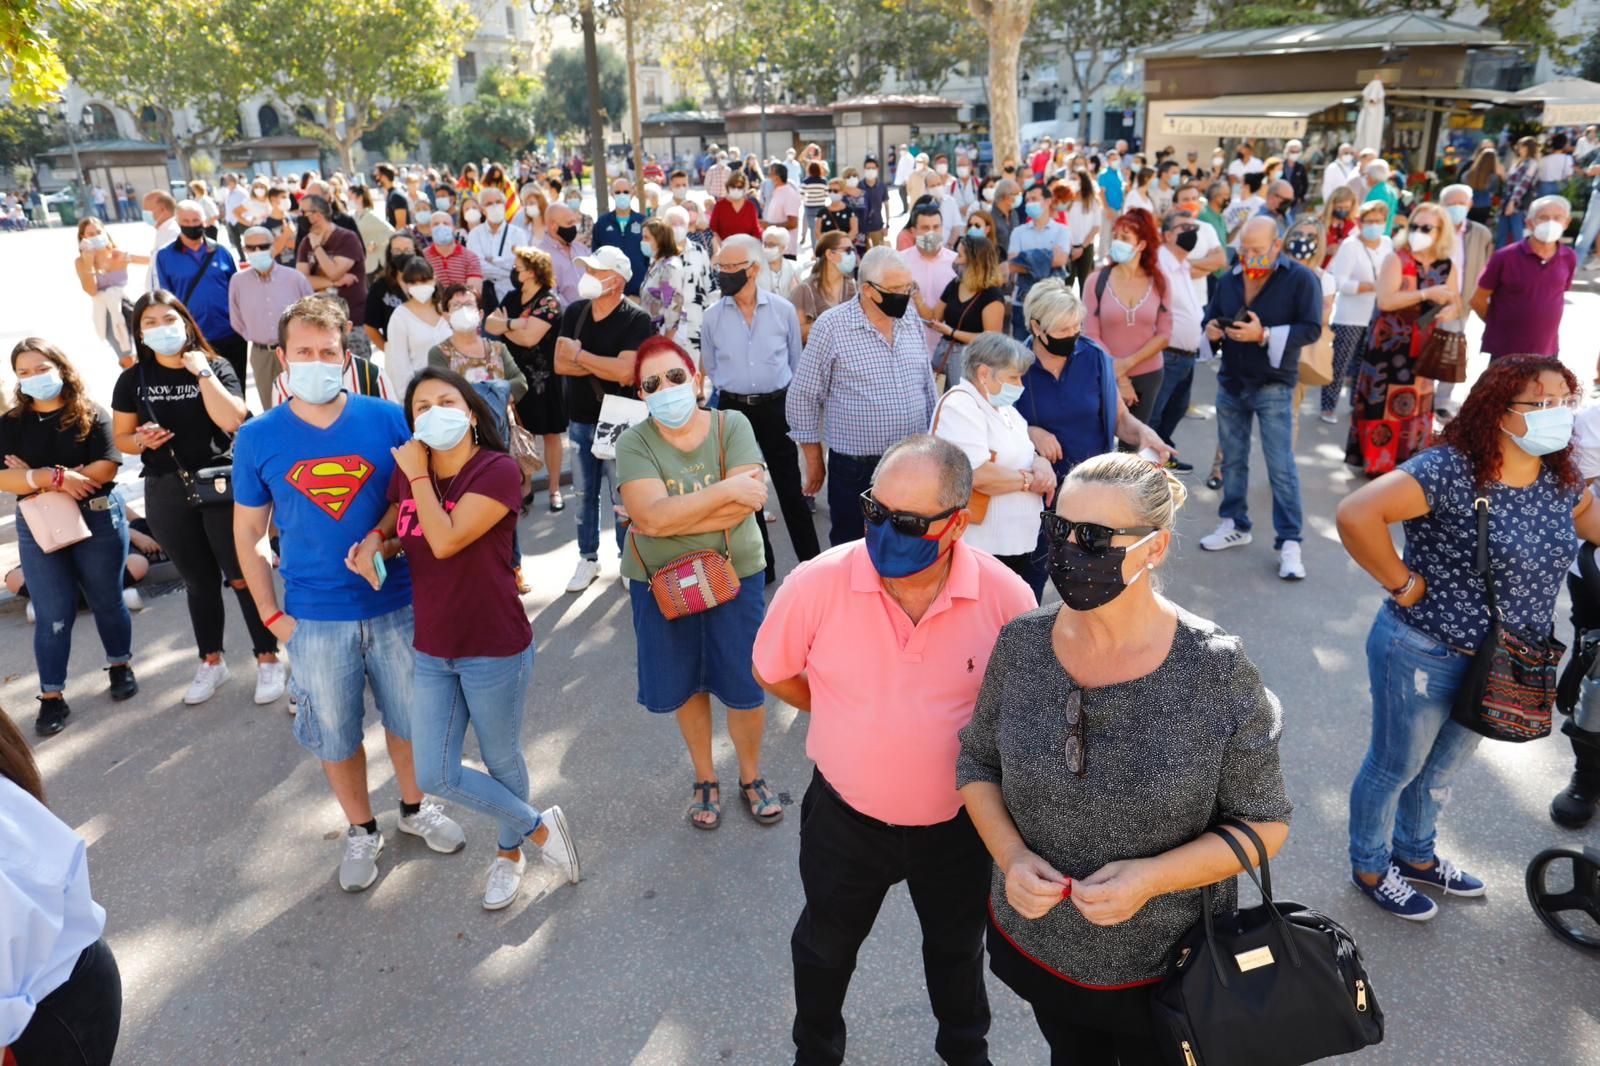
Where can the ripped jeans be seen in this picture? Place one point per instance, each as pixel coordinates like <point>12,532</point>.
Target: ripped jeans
<point>1415,747</point>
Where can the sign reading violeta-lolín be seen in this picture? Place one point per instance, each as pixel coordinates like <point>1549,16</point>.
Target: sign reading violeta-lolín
<point>1219,126</point>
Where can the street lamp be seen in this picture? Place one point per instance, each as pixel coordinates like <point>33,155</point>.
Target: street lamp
<point>764,75</point>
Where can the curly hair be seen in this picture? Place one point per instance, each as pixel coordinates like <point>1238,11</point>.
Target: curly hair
<point>77,412</point>
<point>1476,432</point>
<point>1143,225</point>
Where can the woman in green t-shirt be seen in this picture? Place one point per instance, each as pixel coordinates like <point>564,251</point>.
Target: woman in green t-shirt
<point>694,480</point>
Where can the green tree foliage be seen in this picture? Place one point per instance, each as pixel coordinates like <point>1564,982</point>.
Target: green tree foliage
<point>497,124</point>
<point>563,106</point>
<point>1587,60</point>
<point>1094,37</point>
<point>21,136</point>
<point>685,103</point>
<point>29,56</point>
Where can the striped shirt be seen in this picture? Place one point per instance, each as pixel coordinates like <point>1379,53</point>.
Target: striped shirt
<point>874,393</point>
<point>455,268</point>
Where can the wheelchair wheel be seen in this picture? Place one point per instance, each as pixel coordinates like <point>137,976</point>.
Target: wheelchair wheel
<point>1572,913</point>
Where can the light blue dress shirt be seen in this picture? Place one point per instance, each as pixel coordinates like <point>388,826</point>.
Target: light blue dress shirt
<point>47,916</point>
<point>752,359</point>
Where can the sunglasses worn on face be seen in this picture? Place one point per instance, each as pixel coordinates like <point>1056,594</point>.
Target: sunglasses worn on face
<point>912,525</point>
<point>258,247</point>
<point>676,376</point>
<point>1421,227</point>
<point>1091,537</point>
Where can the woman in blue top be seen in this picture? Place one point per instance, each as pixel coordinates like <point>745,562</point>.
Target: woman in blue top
<point>1511,444</point>
<point>1069,397</point>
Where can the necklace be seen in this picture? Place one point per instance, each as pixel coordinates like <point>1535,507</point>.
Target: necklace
<point>936,590</point>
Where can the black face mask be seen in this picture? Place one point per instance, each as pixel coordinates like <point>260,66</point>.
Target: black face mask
<point>732,281</point>
<point>893,304</point>
<point>1061,346</point>
<point>194,233</point>
<point>567,233</point>
<point>1085,580</point>
<point>1187,239</point>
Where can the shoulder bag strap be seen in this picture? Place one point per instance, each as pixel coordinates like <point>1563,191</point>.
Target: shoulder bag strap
<point>183,472</point>
<point>1481,562</point>
<point>194,282</point>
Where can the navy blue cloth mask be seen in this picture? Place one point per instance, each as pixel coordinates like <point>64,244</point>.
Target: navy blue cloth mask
<point>894,554</point>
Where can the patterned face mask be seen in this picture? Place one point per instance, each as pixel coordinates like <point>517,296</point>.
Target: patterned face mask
<point>1301,246</point>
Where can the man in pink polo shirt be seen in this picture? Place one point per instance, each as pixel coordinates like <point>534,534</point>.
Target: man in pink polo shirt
<point>885,641</point>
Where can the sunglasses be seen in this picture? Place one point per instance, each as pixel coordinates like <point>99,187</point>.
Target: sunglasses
<point>676,376</point>
<point>912,525</point>
<point>1422,227</point>
<point>258,247</point>
<point>1077,749</point>
<point>1090,536</point>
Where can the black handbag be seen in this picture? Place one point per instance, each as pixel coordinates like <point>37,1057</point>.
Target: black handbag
<point>1510,687</point>
<point>1274,985</point>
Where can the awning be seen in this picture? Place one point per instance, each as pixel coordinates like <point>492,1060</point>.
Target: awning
<point>1279,115</point>
<point>1567,101</point>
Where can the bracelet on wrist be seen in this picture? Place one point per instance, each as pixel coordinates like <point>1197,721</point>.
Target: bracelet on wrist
<point>271,619</point>
<point>27,476</point>
<point>1401,590</point>
<point>419,477</point>
<point>58,477</point>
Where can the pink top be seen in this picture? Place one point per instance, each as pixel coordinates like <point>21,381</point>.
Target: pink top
<point>1109,324</point>
<point>888,698</point>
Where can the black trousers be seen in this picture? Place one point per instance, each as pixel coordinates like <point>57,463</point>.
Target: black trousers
<point>767,418</point>
<point>1585,743</point>
<point>236,350</point>
<point>848,863</point>
<point>77,1024</point>
<point>848,477</point>
<point>1083,1026</point>
<point>200,543</point>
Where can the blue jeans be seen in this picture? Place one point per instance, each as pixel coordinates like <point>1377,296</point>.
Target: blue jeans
<point>333,663</point>
<point>1415,747</point>
<point>488,692</point>
<point>1508,229</point>
<point>847,480</point>
<point>589,472</point>
<point>54,578</point>
<point>1272,405</point>
<point>1172,399</point>
<point>1591,228</point>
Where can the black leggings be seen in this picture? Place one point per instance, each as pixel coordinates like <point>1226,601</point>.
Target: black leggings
<point>200,543</point>
<point>77,1024</point>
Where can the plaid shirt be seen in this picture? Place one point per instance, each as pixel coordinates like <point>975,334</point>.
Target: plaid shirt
<point>717,180</point>
<point>874,393</point>
<point>1519,187</point>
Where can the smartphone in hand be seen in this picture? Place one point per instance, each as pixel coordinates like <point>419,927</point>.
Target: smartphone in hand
<point>379,568</point>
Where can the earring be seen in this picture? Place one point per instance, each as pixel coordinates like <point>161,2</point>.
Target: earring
<point>474,432</point>
<point>1149,566</point>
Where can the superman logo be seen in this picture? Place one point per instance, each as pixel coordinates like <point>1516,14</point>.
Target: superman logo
<point>332,482</point>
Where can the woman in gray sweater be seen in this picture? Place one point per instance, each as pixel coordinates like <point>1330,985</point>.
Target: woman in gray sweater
<point>1108,736</point>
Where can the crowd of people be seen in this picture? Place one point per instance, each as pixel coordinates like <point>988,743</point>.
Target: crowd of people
<point>987,394</point>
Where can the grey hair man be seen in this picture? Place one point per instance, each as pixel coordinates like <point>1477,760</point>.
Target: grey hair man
<point>874,346</point>
<point>257,298</point>
<point>1521,294</point>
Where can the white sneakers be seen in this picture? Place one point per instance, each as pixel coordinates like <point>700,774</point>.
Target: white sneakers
<point>207,680</point>
<point>271,681</point>
<point>1290,568</point>
<point>505,881</point>
<point>134,601</point>
<point>583,577</point>
<point>559,850</point>
<point>1225,536</point>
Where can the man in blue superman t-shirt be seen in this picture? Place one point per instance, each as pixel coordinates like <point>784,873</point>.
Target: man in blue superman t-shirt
<point>320,465</point>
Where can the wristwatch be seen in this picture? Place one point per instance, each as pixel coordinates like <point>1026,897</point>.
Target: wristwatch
<point>205,372</point>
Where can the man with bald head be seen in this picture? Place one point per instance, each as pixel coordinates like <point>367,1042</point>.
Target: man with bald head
<point>1263,312</point>
<point>1279,204</point>
<point>865,367</point>
<point>884,643</point>
<point>561,242</point>
<point>197,270</point>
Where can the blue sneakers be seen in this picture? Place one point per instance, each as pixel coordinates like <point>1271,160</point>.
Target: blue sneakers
<point>1443,874</point>
<point>1394,895</point>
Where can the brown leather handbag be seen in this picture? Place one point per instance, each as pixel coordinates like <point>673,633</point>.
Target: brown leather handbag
<point>1443,356</point>
<point>978,506</point>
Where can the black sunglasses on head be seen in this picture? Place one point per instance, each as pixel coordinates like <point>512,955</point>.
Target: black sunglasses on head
<point>1091,537</point>
<point>912,525</point>
<point>676,376</point>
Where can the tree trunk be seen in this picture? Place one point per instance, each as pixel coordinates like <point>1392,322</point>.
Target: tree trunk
<point>633,101</point>
<point>1006,22</point>
<point>597,129</point>
<point>710,73</point>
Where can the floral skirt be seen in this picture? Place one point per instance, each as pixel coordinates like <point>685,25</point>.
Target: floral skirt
<point>1390,420</point>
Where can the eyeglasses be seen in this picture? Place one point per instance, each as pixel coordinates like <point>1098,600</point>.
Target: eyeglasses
<point>912,525</point>
<point>1077,749</point>
<point>258,247</point>
<point>1091,537</point>
<point>676,376</point>
<point>1422,227</point>
<point>1573,402</point>
<point>891,292</point>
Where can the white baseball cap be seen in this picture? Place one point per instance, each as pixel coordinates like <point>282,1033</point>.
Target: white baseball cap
<point>610,259</point>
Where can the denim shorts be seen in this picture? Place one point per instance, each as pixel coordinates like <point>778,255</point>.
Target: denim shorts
<point>706,652</point>
<point>331,665</point>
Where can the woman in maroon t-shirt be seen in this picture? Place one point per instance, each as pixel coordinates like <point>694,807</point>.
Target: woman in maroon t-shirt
<point>454,498</point>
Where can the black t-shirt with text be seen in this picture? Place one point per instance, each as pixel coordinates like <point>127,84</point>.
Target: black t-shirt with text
<point>623,330</point>
<point>171,398</point>
<point>41,441</point>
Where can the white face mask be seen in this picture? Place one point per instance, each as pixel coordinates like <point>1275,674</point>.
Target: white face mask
<point>465,319</point>
<point>736,195</point>
<point>1549,232</point>
<point>1419,241</point>
<point>679,192</point>
<point>472,216</point>
<point>421,293</point>
<point>943,168</point>
<point>962,172</point>
<point>774,254</point>
<point>495,212</point>
<point>590,288</point>
<point>680,233</point>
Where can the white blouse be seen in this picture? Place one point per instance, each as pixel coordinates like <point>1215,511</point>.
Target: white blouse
<point>967,419</point>
<point>406,349</point>
<point>1353,264</point>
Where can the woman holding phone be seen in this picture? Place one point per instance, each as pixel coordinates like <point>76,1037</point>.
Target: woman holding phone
<point>454,498</point>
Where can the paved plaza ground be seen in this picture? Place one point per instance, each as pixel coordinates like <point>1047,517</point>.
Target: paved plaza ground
<point>214,839</point>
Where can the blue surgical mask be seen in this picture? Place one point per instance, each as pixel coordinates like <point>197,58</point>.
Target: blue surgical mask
<point>1549,430</point>
<point>1457,213</point>
<point>1173,181</point>
<point>1033,209</point>
<point>1121,251</point>
<point>261,261</point>
<point>1371,231</point>
<point>46,386</point>
<point>976,231</point>
<point>443,234</point>
<point>894,554</point>
<point>441,428</point>
<point>316,383</point>
<point>672,406</point>
<point>1008,395</point>
<point>847,263</point>
<point>166,340</point>
<point>149,218</point>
